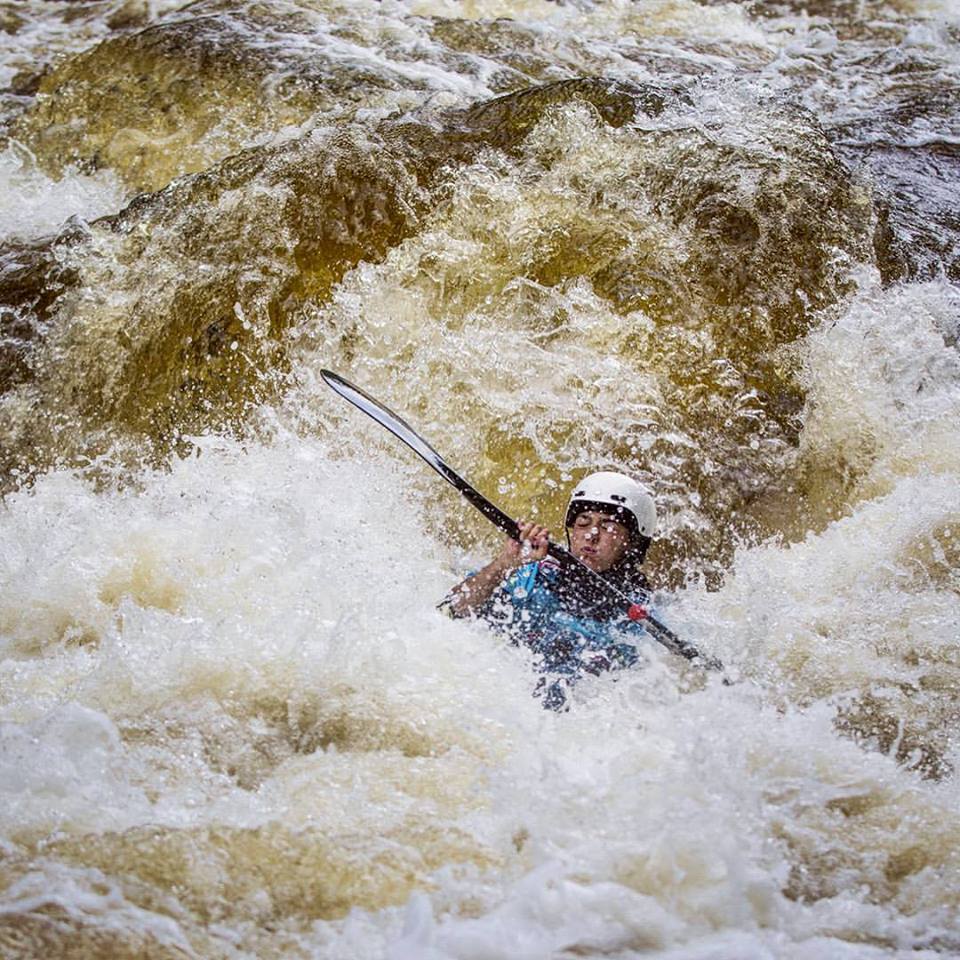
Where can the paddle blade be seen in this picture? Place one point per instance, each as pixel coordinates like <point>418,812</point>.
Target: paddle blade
<point>386,418</point>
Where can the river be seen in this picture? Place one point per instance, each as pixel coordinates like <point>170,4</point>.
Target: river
<point>715,245</point>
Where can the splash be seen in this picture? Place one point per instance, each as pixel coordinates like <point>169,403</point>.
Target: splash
<point>709,244</point>
<point>698,282</point>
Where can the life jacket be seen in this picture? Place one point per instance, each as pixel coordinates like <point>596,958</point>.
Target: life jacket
<point>530,609</point>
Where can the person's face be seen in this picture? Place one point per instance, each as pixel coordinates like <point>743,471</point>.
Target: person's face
<point>598,540</point>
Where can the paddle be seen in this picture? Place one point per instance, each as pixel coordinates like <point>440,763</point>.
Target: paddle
<point>573,567</point>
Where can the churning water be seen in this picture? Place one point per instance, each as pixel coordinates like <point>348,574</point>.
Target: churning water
<point>716,245</point>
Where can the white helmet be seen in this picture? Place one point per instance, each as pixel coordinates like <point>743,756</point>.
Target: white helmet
<point>631,500</point>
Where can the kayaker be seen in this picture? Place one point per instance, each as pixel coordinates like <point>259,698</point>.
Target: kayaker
<point>524,594</point>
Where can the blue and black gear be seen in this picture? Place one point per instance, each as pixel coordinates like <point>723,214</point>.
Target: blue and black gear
<point>531,610</point>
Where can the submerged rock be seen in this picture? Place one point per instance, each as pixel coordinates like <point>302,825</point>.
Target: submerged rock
<point>171,318</point>
<point>181,95</point>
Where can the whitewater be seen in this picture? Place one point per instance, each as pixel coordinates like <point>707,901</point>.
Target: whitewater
<point>713,245</point>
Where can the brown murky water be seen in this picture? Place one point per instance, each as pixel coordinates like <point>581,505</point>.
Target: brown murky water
<point>714,245</point>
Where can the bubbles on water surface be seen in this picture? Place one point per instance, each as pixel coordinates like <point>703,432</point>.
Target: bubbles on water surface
<point>230,721</point>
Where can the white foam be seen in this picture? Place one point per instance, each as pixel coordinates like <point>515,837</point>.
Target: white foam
<point>35,204</point>
<point>248,641</point>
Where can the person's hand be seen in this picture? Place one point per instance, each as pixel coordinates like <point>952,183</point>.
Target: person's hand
<point>534,539</point>
<point>532,543</point>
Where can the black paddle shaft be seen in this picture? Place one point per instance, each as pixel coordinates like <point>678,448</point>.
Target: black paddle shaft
<point>567,561</point>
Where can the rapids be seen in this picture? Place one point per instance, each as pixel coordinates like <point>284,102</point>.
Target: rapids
<point>713,244</point>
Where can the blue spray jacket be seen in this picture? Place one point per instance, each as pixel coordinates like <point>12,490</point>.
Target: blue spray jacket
<point>529,610</point>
